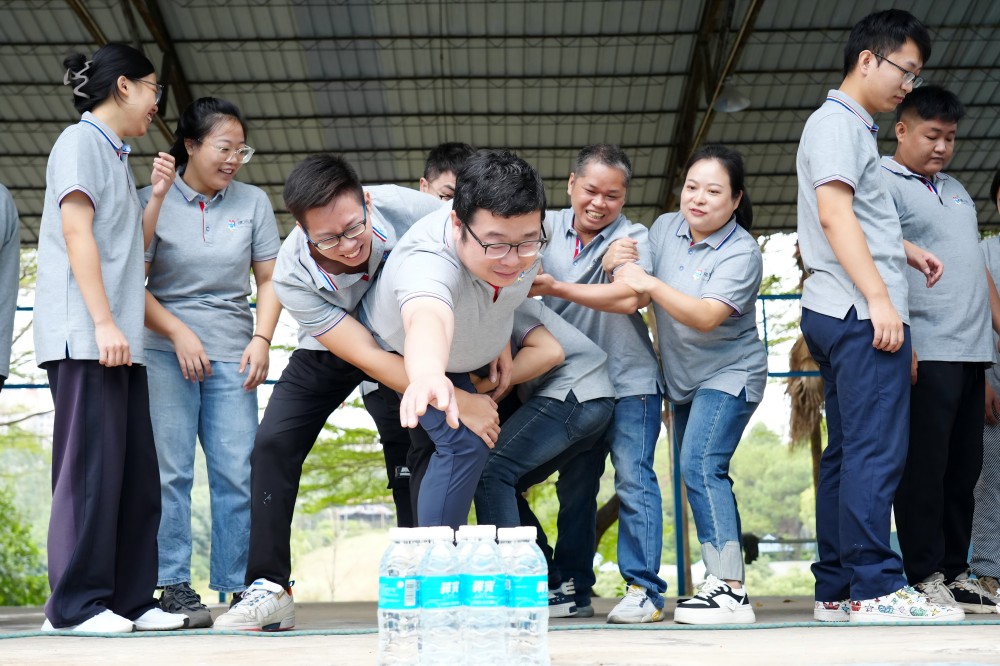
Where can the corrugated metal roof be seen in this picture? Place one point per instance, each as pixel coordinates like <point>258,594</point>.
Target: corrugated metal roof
<point>385,81</point>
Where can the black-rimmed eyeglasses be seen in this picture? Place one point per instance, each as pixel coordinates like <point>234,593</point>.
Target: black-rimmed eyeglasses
<point>331,242</point>
<point>908,76</point>
<point>158,86</point>
<point>500,250</point>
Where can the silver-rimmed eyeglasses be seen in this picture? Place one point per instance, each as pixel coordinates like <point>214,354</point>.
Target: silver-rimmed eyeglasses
<point>352,231</point>
<point>908,76</point>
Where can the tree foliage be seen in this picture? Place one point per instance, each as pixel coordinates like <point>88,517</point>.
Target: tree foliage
<point>23,581</point>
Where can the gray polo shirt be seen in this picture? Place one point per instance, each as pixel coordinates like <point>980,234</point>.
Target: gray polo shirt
<point>632,362</point>
<point>424,264</point>
<point>90,158</point>
<point>584,369</point>
<point>199,262</point>
<point>838,143</point>
<point>727,267</point>
<point>991,251</point>
<point>10,263</point>
<point>951,321</point>
<point>318,300</point>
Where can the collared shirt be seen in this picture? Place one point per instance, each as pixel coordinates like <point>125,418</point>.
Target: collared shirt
<point>584,369</point>
<point>991,251</point>
<point>726,267</point>
<point>632,362</point>
<point>424,264</point>
<point>838,143</point>
<point>10,262</point>
<point>951,321</point>
<point>90,158</point>
<point>199,262</point>
<point>319,300</point>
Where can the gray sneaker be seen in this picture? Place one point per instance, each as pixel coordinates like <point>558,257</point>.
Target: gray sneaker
<point>180,598</point>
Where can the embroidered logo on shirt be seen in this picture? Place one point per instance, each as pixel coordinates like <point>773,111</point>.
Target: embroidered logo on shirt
<point>959,201</point>
<point>233,224</point>
<point>701,274</point>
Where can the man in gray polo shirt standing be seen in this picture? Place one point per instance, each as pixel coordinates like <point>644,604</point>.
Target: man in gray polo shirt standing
<point>10,262</point>
<point>952,344</point>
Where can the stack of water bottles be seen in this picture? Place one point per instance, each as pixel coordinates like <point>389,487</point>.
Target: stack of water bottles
<point>478,603</point>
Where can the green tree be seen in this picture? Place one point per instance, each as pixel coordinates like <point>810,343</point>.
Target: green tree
<point>22,569</point>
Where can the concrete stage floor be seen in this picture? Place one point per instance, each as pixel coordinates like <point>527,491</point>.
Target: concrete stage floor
<point>345,633</point>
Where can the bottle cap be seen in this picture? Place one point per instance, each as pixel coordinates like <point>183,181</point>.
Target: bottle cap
<point>477,532</point>
<point>397,534</point>
<point>505,534</point>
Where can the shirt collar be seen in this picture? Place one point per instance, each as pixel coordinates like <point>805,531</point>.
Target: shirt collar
<point>848,102</point>
<point>716,240</point>
<point>120,147</point>
<point>189,193</point>
<point>890,164</point>
<point>600,235</point>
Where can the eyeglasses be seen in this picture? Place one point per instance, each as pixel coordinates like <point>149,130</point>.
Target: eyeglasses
<point>499,250</point>
<point>331,242</point>
<point>159,89</point>
<point>227,153</point>
<point>908,76</point>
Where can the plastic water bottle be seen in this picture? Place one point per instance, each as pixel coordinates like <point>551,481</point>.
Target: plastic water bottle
<point>527,596</point>
<point>483,585</point>
<point>440,601</point>
<point>398,611</point>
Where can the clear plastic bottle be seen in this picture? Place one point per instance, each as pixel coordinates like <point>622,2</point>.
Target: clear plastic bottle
<point>483,585</point>
<point>527,596</point>
<point>440,601</point>
<point>398,609</point>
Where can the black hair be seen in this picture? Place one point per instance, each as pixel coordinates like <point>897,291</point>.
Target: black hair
<point>732,162</point>
<point>607,154</point>
<point>199,119</point>
<point>995,188</point>
<point>932,103</point>
<point>883,33</point>
<point>96,79</point>
<point>498,181</point>
<point>447,157</point>
<point>316,181</point>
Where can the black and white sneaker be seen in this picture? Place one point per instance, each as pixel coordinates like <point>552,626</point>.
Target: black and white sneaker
<point>970,595</point>
<point>561,602</point>
<point>716,603</point>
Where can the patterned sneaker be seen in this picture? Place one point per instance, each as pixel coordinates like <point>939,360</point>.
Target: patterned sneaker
<point>180,598</point>
<point>265,606</point>
<point>903,605</point>
<point>716,603</point>
<point>561,602</point>
<point>970,595</point>
<point>635,608</point>
<point>832,611</point>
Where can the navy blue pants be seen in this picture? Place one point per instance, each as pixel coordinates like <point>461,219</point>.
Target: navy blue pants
<point>867,415</point>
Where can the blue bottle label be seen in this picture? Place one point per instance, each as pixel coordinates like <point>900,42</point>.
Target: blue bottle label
<point>397,593</point>
<point>440,592</point>
<point>528,591</point>
<point>483,591</point>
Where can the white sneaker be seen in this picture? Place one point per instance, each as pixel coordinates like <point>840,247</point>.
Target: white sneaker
<point>157,619</point>
<point>832,611</point>
<point>265,606</point>
<point>904,605</point>
<point>971,596</point>
<point>934,588</point>
<point>716,602</point>
<point>635,608</point>
<point>107,622</point>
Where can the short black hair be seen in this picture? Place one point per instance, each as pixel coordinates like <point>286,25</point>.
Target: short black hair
<point>498,181</point>
<point>607,154</point>
<point>995,187</point>
<point>447,157</point>
<point>932,103</point>
<point>884,32</point>
<point>95,79</point>
<point>732,162</point>
<point>316,181</point>
<point>199,119</point>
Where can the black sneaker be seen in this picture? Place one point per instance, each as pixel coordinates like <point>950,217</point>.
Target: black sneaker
<point>716,603</point>
<point>561,603</point>
<point>237,598</point>
<point>180,598</point>
<point>970,595</point>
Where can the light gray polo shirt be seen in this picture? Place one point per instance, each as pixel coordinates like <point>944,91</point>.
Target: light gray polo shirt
<point>90,158</point>
<point>838,143</point>
<point>424,264</point>
<point>632,362</point>
<point>951,321</point>
<point>584,371</point>
<point>10,273</point>
<point>199,262</point>
<point>727,267</point>
<point>991,251</point>
<point>318,300</point>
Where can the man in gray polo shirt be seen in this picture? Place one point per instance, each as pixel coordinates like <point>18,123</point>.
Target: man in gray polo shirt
<point>10,262</point>
<point>854,316</point>
<point>952,344</point>
<point>575,285</point>
<point>445,301</point>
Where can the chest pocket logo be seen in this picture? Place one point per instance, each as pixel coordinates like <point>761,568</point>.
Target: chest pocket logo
<point>701,274</point>
<point>233,225</point>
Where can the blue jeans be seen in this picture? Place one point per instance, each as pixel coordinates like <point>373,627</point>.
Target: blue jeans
<point>708,429</point>
<point>537,432</point>
<point>223,417</point>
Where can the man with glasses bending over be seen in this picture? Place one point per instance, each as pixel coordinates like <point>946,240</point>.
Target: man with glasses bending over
<point>446,301</point>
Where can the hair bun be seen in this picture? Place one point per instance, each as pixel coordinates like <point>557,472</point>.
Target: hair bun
<point>75,62</point>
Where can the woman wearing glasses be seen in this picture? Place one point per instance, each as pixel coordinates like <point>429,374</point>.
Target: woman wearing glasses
<point>88,338</point>
<point>205,355</point>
